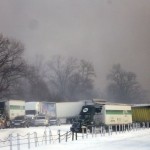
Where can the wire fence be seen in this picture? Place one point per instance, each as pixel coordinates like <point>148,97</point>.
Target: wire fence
<point>16,141</point>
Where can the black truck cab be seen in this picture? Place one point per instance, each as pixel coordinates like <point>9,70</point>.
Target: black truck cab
<point>86,118</point>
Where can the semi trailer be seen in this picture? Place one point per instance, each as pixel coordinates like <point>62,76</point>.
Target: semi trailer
<point>58,113</point>
<point>9,109</point>
<point>141,113</point>
<point>102,113</point>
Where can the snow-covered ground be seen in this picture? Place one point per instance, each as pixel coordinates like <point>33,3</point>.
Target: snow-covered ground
<point>129,140</point>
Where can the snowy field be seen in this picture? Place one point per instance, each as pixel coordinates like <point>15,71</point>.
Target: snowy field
<point>129,140</point>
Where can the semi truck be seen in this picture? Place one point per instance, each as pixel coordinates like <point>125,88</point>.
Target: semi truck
<point>102,113</point>
<point>60,112</point>
<point>32,109</point>
<point>37,108</point>
<point>9,109</point>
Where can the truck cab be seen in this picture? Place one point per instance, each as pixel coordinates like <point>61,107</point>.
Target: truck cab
<point>88,118</point>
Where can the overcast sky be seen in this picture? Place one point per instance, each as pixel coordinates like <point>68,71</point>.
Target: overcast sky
<point>104,32</point>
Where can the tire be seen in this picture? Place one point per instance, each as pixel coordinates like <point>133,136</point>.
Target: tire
<point>27,125</point>
<point>90,128</point>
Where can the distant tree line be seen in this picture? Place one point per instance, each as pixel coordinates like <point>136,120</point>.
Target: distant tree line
<point>59,78</point>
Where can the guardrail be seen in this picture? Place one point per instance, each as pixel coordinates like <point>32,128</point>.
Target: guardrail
<point>14,142</point>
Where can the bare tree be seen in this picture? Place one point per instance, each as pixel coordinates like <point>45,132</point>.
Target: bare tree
<point>36,75</point>
<point>82,82</point>
<point>21,89</point>
<point>60,72</point>
<point>12,65</point>
<point>71,79</point>
<point>124,86</point>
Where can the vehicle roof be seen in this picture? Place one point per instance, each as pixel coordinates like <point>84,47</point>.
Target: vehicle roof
<point>140,105</point>
<point>110,103</point>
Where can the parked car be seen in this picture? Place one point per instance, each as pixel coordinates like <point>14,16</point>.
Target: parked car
<point>41,120</point>
<point>31,120</point>
<point>53,121</point>
<point>20,121</point>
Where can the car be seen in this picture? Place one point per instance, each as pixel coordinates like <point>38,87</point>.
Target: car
<point>30,119</point>
<point>53,121</point>
<point>41,120</point>
<point>20,121</point>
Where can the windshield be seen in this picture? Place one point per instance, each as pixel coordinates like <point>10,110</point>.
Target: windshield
<point>30,112</point>
<point>40,117</point>
<point>19,117</point>
<point>86,117</point>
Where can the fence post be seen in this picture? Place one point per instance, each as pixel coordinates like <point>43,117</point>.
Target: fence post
<point>143,125</point>
<point>49,136</point>
<point>66,136</point>
<point>18,142</point>
<point>136,126</point>
<point>83,132</point>
<point>122,128</point>
<point>92,130</point>
<point>28,140</point>
<point>109,130</point>
<point>10,138</point>
<point>35,138</point>
<point>45,137</point>
<point>119,128</point>
<point>59,136</point>
<point>130,126</point>
<point>76,136</point>
<point>104,130</point>
<point>86,132</point>
<point>72,136</point>
<point>101,130</point>
<point>147,124</point>
<point>95,131</point>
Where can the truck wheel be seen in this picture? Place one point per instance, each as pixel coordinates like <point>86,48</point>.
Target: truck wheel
<point>2,126</point>
<point>27,125</point>
<point>90,129</point>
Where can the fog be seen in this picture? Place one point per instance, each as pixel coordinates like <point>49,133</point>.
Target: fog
<point>105,32</point>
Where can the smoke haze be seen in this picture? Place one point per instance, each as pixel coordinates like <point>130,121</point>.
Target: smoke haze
<point>105,32</point>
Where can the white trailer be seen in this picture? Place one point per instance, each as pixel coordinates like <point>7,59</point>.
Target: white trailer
<point>13,108</point>
<point>68,110</point>
<point>32,109</point>
<point>61,111</point>
<point>113,114</point>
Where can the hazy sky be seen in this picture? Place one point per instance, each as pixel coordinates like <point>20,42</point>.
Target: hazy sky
<point>104,32</point>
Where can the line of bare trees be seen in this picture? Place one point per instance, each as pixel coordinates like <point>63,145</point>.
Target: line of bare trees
<point>59,78</point>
